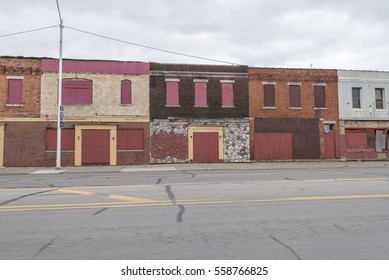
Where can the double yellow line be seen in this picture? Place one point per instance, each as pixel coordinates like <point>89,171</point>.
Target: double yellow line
<point>141,202</point>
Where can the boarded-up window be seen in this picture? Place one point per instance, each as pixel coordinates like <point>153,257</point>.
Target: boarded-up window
<point>14,91</point>
<point>356,95</point>
<point>77,92</point>
<point>130,139</point>
<point>201,94</point>
<point>379,98</point>
<point>67,139</point>
<point>320,99</point>
<point>294,96</point>
<point>269,96</point>
<point>227,94</point>
<point>172,98</point>
<point>126,93</point>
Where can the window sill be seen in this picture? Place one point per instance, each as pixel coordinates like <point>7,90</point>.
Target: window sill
<point>174,106</point>
<point>269,108</point>
<point>14,105</point>
<point>320,108</point>
<point>358,109</point>
<point>295,108</point>
<point>205,106</point>
<point>228,106</point>
<point>126,105</point>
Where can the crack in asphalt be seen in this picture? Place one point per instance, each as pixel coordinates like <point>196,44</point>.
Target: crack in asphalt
<point>342,229</point>
<point>170,194</point>
<point>43,248</point>
<point>286,246</point>
<point>159,180</point>
<point>172,198</point>
<point>191,174</point>
<point>25,195</point>
<point>98,212</point>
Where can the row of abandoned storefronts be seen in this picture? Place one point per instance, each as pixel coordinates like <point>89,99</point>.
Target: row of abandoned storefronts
<point>123,113</point>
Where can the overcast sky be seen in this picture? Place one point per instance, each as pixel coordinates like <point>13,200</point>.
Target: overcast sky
<point>338,34</point>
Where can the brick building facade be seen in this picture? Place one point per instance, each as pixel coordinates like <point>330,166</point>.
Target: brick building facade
<point>106,112</point>
<point>293,114</point>
<point>198,113</point>
<point>20,87</point>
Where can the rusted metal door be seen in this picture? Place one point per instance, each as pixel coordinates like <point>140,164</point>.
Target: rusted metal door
<point>273,146</point>
<point>95,146</point>
<point>205,147</point>
<point>329,145</point>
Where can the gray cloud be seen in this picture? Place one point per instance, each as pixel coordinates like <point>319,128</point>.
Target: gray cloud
<point>328,34</point>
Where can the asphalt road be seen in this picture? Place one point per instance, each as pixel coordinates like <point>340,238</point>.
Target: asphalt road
<point>245,214</point>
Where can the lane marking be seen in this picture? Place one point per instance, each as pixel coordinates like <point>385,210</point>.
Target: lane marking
<point>131,198</point>
<point>136,203</point>
<point>75,192</point>
<point>210,183</point>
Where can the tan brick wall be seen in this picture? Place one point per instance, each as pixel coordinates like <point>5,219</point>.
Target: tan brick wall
<point>30,70</point>
<point>106,96</point>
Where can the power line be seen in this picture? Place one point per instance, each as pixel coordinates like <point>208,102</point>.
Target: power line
<point>149,47</point>
<point>28,31</point>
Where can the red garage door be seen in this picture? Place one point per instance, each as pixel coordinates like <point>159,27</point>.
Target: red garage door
<point>273,146</point>
<point>205,147</point>
<point>95,146</point>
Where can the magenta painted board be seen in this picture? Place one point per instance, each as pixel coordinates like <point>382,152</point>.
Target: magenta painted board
<point>227,95</point>
<point>172,94</point>
<point>14,92</point>
<point>77,92</point>
<point>96,66</point>
<point>201,94</point>
<point>126,93</point>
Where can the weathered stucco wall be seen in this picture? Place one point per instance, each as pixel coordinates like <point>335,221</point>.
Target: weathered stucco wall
<point>106,96</point>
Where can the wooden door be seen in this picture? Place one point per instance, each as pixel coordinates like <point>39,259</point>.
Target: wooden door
<point>95,146</point>
<point>205,147</point>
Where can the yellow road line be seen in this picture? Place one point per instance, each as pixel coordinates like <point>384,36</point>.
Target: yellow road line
<point>131,198</point>
<point>151,203</point>
<point>210,183</point>
<point>74,192</point>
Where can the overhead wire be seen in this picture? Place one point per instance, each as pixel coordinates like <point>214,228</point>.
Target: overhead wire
<point>28,31</point>
<point>149,47</point>
<point>121,41</point>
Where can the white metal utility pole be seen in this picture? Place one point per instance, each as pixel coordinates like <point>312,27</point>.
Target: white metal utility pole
<point>59,98</point>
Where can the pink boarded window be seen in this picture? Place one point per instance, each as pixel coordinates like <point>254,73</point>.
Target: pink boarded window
<point>130,139</point>
<point>77,92</point>
<point>126,93</point>
<point>201,94</point>
<point>227,94</point>
<point>14,91</point>
<point>172,93</point>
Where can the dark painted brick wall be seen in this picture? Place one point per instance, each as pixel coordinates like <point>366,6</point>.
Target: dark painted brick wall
<point>186,74</point>
<point>305,139</point>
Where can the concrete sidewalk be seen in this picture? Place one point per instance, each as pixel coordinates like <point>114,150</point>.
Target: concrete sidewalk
<point>199,167</point>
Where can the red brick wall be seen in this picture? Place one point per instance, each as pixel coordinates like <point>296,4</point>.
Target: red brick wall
<point>281,77</point>
<point>30,69</point>
<point>25,145</point>
<point>166,144</point>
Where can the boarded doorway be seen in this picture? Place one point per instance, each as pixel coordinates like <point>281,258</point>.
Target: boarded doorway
<point>205,147</point>
<point>273,146</point>
<point>95,146</point>
<point>329,142</point>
